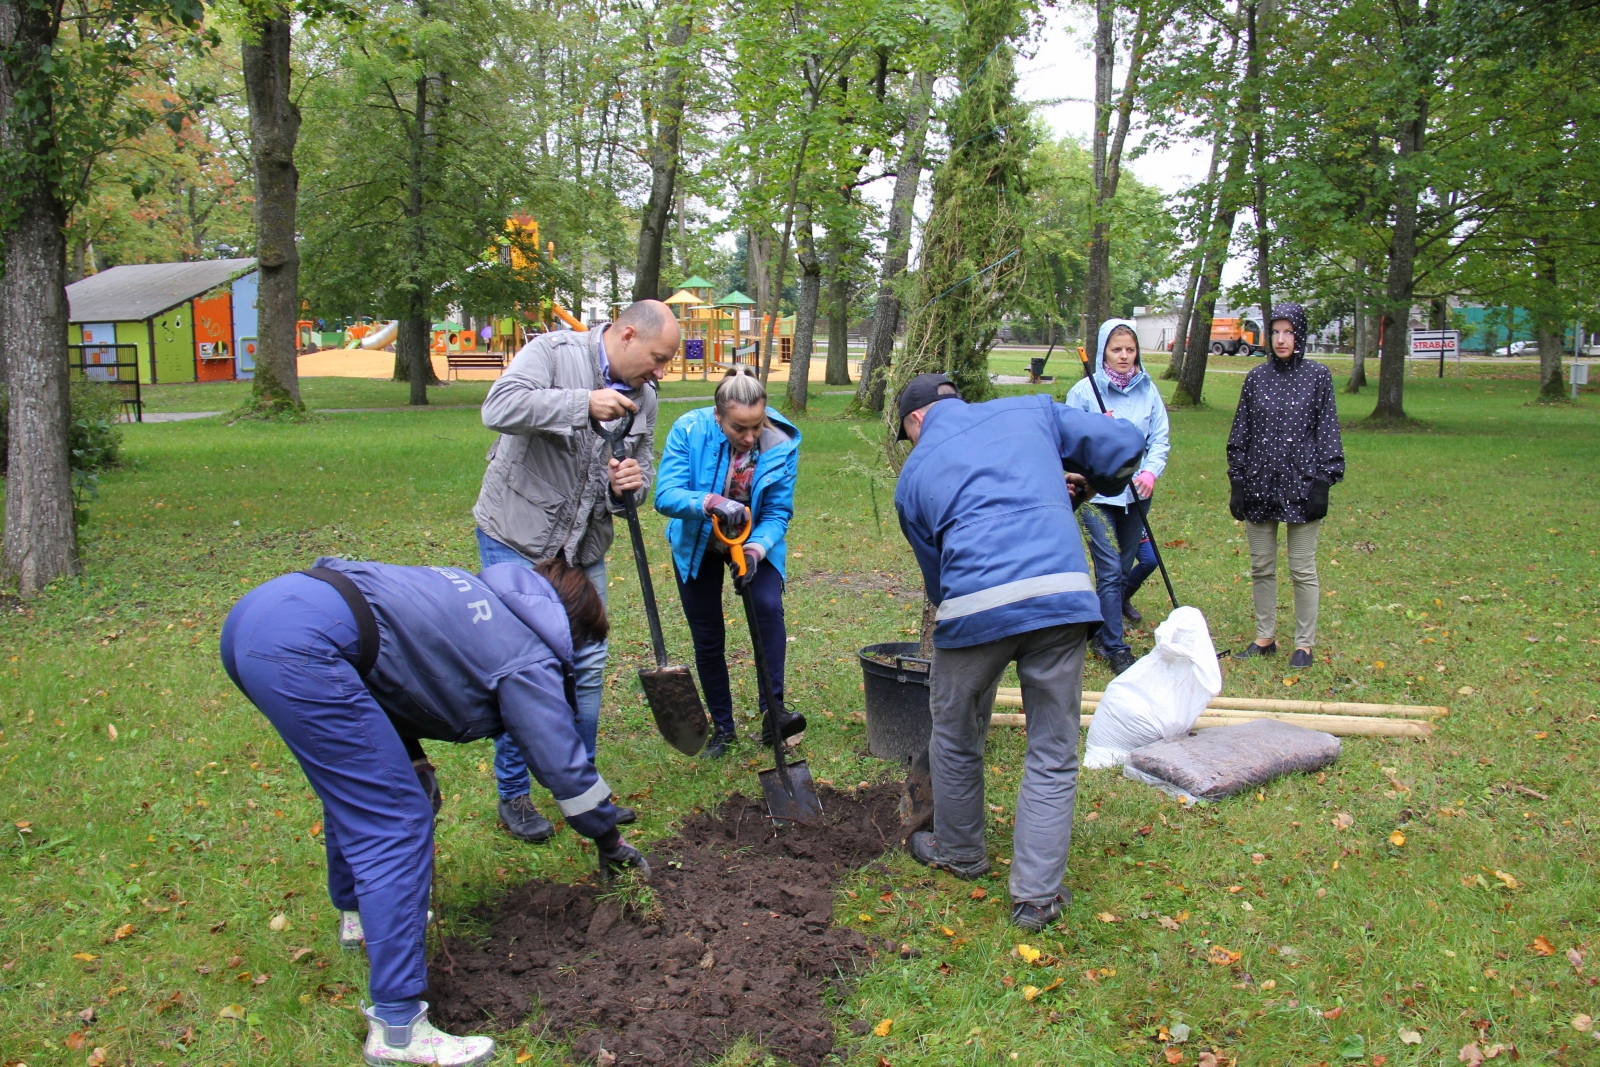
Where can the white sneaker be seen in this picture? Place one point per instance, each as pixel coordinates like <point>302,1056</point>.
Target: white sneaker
<point>419,1042</point>
<point>351,936</point>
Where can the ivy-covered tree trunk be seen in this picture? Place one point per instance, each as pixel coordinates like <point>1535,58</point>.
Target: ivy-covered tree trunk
<point>41,541</point>
<point>665,118</point>
<point>838,371</point>
<point>274,129</point>
<point>896,248</point>
<point>805,317</point>
<point>971,260</point>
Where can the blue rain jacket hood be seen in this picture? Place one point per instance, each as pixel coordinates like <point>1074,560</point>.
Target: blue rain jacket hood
<point>464,656</point>
<point>694,462</point>
<point>984,505</point>
<point>1139,404</point>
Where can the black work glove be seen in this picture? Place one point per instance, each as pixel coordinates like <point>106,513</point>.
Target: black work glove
<point>428,778</point>
<point>1236,501</point>
<point>617,855</point>
<point>1317,503</point>
<point>732,514</point>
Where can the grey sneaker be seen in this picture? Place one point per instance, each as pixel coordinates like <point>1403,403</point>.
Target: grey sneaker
<point>523,821</point>
<point>924,848</point>
<point>418,1042</point>
<point>1027,915</point>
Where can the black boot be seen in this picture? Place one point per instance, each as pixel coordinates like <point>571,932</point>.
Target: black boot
<point>523,821</point>
<point>791,723</point>
<point>721,741</point>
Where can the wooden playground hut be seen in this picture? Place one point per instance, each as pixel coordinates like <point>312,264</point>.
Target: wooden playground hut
<point>720,333</point>
<point>160,323</point>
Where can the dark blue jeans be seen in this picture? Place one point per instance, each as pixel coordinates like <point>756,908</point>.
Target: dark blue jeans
<point>702,607</point>
<point>289,645</point>
<point>1133,579</point>
<point>1114,532</point>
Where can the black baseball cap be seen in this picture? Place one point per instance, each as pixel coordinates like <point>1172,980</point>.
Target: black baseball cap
<point>921,391</point>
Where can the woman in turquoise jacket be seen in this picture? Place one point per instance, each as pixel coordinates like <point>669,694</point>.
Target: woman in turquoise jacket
<point>736,461</point>
<point>1130,395</point>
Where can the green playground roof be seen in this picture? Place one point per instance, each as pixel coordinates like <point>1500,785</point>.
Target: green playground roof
<point>695,282</point>
<point>735,297</point>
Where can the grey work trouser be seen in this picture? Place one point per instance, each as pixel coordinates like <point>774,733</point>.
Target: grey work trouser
<point>1302,545</point>
<point>1050,666</point>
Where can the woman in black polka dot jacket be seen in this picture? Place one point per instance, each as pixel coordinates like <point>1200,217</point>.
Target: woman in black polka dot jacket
<point>1283,454</point>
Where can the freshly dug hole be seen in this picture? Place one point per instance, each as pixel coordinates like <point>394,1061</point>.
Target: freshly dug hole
<point>741,944</point>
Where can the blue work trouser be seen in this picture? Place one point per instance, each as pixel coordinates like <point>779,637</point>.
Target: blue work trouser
<point>702,607</point>
<point>1112,560</point>
<point>588,665</point>
<point>289,646</point>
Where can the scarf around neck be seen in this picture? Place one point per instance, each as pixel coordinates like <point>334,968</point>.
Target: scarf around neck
<point>1121,381</point>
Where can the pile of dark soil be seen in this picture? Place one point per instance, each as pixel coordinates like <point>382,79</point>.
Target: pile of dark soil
<point>741,943</point>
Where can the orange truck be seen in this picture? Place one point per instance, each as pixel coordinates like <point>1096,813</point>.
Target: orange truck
<point>1236,337</point>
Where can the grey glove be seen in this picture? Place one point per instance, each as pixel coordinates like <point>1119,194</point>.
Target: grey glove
<point>732,513</point>
<point>614,858</point>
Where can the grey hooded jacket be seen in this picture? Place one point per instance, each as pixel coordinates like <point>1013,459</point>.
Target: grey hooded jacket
<point>545,493</point>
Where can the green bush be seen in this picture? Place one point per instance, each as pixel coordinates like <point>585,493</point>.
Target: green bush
<point>94,440</point>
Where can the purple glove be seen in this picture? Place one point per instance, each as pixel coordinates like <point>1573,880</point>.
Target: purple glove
<point>753,554</point>
<point>1144,483</point>
<point>732,513</point>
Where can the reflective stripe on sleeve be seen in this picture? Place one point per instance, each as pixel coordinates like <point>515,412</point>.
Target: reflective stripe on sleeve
<point>1025,589</point>
<point>588,800</point>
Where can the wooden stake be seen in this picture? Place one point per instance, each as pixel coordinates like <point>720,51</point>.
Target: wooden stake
<point>1338,725</point>
<point>1012,698</point>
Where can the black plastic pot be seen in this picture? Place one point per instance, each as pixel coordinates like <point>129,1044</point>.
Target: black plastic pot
<point>899,723</point>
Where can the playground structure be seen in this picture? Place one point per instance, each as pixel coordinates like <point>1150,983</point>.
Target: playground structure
<point>159,323</point>
<point>721,333</point>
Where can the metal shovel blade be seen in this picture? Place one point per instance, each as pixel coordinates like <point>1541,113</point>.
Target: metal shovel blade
<point>675,703</point>
<point>794,801</point>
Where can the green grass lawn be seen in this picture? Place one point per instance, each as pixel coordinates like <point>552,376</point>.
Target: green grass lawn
<point>156,826</point>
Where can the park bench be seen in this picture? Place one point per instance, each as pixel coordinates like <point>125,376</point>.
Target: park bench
<point>459,361</point>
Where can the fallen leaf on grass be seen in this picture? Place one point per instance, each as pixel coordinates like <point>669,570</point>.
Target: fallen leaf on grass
<point>1179,1033</point>
<point>232,1011</point>
<point>1353,1047</point>
<point>1397,839</point>
<point>1379,1061</point>
<point>76,1040</point>
<point>1029,992</point>
<point>96,1058</point>
<point>278,923</point>
<point>946,931</point>
<point>1582,1023</point>
<point>1008,981</point>
<point>606,1058</point>
<point>299,954</point>
<point>1223,957</point>
<point>1410,1037</point>
<point>1575,958</point>
<point>1505,879</point>
<point>1343,821</point>
<point>523,1055</point>
<point>1028,953</point>
<point>1269,985</point>
<point>316,828</point>
<point>1333,1013</point>
<point>1173,1054</point>
<point>123,931</point>
<point>1108,917</point>
<point>86,957</point>
<point>1465,691</point>
<point>174,1001</point>
<point>1146,831</point>
<point>882,1029</point>
<point>111,731</point>
<point>864,917</point>
<point>1167,922</point>
<point>1208,1059</point>
<point>1470,1054</point>
<point>1542,947</point>
<point>978,893</point>
<point>1291,680</point>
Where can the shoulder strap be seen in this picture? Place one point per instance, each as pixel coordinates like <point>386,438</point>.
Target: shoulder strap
<point>366,622</point>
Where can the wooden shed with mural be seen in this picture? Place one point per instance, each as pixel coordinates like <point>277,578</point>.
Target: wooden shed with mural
<point>165,322</point>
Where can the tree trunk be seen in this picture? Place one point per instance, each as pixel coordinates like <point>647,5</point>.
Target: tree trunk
<point>1358,349</point>
<point>1401,280</point>
<point>274,128</point>
<point>805,319</point>
<point>657,215</point>
<point>896,249</point>
<point>1549,326</point>
<point>1107,152</point>
<point>1257,157</point>
<point>838,372</point>
<point>771,327</point>
<point>412,360</point>
<point>41,536</point>
<point>412,343</point>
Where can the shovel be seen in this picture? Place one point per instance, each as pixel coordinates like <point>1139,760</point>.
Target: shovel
<point>669,689</point>
<point>791,796</point>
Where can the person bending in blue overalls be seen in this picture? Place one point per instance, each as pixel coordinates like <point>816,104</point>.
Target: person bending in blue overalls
<point>351,662</point>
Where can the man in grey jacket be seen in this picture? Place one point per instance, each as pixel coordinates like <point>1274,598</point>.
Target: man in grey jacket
<point>551,486</point>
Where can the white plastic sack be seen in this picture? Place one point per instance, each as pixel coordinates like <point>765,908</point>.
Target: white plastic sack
<point>1159,697</point>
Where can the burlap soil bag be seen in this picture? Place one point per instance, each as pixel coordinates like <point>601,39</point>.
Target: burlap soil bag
<point>1225,760</point>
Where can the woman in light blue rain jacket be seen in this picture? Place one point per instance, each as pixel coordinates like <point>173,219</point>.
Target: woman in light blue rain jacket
<point>1112,523</point>
<point>737,461</point>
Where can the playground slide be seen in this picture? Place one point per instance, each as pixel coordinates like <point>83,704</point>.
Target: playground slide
<point>566,316</point>
<point>383,335</point>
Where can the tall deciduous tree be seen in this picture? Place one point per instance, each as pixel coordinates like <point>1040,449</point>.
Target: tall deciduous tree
<point>65,80</point>
<point>663,118</point>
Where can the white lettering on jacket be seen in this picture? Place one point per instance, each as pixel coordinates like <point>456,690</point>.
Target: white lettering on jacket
<point>480,611</point>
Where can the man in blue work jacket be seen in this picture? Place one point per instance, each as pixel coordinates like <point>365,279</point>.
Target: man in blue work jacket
<point>351,662</point>
<point>988,513</point>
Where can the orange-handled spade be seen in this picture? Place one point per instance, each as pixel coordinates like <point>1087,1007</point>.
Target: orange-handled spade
<point>791,795</point>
